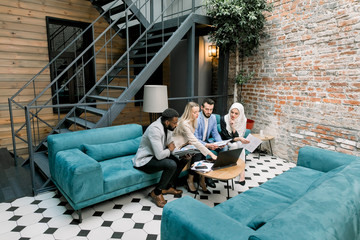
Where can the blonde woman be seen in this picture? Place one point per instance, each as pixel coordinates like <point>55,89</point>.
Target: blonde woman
<point>184,134</point>
<point>233,126</point>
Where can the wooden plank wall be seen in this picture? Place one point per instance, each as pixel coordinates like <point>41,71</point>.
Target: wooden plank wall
<point>24,52</point>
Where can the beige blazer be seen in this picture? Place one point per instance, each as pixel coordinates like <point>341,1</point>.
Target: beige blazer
<point>188,137</point>
<point>152,144</point>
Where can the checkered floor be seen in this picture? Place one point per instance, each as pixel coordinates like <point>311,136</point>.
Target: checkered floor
<point>132,216</point>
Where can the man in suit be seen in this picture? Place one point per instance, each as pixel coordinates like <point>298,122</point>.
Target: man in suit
<point>207,127</point>
<point>154,154</point>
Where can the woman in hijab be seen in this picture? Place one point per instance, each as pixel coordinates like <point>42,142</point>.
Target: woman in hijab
<point>233,126</point>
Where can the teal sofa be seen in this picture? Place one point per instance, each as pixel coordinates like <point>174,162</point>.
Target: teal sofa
<point>95,165</point>
<point>317,199</point>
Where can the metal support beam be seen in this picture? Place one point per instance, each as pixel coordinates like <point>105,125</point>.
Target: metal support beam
<point>191,62</point>
<point>30,148</point>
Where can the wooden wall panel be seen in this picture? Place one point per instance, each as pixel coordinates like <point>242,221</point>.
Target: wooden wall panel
<point>24,52</point>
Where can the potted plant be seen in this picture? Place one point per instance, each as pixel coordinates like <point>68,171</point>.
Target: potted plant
<point>237,26</point>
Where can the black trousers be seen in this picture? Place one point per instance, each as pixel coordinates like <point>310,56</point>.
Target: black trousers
<point>171,168</point>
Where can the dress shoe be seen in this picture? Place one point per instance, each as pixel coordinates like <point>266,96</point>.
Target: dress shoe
<point>193,192</point>
<point>158,199</point>
<point>210,182</point>
<point>242,183</point>
<point>172,191</point>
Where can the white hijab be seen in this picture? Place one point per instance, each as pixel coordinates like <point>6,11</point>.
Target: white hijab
<point>240,121</point>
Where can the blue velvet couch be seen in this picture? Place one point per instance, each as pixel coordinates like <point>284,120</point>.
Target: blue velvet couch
<point>317,199</point>
<point>94,165</point>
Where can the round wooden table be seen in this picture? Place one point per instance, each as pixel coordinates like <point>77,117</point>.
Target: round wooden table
<point>225,173</point>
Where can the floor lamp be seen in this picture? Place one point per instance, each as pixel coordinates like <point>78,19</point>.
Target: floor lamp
<point>155,100</point>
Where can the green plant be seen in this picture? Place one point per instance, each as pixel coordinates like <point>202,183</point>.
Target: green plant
<point>237,26</point>
<point>243,77</point>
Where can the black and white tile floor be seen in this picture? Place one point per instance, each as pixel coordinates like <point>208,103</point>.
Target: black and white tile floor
<point>132,216</point>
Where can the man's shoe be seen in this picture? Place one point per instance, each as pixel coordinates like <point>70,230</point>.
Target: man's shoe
<point>172,191</point>
<point>210,182</point>
<point>158,199</point>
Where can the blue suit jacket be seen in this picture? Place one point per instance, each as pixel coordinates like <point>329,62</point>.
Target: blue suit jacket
<point>211,131</point>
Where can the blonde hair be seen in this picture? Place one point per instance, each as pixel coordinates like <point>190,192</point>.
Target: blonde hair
<point>186,117</point>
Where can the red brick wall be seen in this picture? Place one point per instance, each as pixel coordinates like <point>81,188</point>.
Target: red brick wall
<point>306,90</point>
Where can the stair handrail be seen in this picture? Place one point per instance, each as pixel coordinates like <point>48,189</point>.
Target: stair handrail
<point>68,67</point>
<point>125,54</point>
<point>66,48</point>
<point>82,53</point>
<point>30,105</point>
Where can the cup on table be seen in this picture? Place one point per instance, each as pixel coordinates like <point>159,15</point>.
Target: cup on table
<point>261,133</point>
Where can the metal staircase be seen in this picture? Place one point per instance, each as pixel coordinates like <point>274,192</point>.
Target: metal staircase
<point>150,37</point>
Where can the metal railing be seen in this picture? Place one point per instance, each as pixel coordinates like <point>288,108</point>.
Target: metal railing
<point>31,108</point>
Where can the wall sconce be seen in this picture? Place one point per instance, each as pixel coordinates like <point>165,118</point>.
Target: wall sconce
<point>155,100</point>
<point>212,51</point>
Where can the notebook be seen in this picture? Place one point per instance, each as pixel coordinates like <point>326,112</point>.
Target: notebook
<point>227,159</point>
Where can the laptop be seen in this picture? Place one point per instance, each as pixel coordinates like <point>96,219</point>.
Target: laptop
<point>227,159</point>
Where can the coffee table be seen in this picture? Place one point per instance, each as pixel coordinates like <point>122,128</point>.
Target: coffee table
<point>224,173</point>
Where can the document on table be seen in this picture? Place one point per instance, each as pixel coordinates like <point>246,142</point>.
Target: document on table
<point>202,166</point>
<point>254,143</point>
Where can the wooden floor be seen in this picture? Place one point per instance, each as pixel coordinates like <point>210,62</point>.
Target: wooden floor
<point>15,181</point>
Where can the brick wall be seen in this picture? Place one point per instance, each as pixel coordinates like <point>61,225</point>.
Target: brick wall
<point>306,90</point>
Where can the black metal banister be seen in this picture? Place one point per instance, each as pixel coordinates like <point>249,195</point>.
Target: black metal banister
<point>53,60</point>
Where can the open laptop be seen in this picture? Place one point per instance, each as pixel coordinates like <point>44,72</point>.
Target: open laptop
<point>227,159</point>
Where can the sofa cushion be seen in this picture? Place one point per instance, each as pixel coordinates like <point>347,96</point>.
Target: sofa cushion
<point>325,176</point>
<point>267,215</point>
<point>254,202</point>
<point>101,152</point>
<point>119,173</point>
<point>329,211</point>
<point>292,183</point>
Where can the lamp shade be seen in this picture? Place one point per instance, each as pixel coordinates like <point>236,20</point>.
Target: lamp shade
<point>155,98</point>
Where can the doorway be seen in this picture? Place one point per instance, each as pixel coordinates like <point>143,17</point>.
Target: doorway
<point>68,88</point>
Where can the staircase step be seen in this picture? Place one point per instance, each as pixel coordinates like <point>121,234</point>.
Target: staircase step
<point>149,45</point>
<point>42,162</point>
<point>116,10</point>
<point>157,36</point>
<point>101,98</point>
<point>81,122</point>
<point>112,87</point>
<point>101,2</point>
<point>62,130</point>
<point>123,76</point>
<point>97,111</point>
<point>143,55</point>
<point>131,65</point>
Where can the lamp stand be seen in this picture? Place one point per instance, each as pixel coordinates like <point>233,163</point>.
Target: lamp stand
<point>153,117</point>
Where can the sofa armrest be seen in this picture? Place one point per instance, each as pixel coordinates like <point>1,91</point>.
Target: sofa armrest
<point>187,218</point>
<point>322,159</point>
<point>78,175</point>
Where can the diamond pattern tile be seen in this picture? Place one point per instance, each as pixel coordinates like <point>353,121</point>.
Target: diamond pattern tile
<point>132,216</point>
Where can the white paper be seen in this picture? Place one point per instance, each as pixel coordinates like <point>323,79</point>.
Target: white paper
<point>221,143</point>
<point>202,163</point>
<point>254,143</point>
<point>188,149</point>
